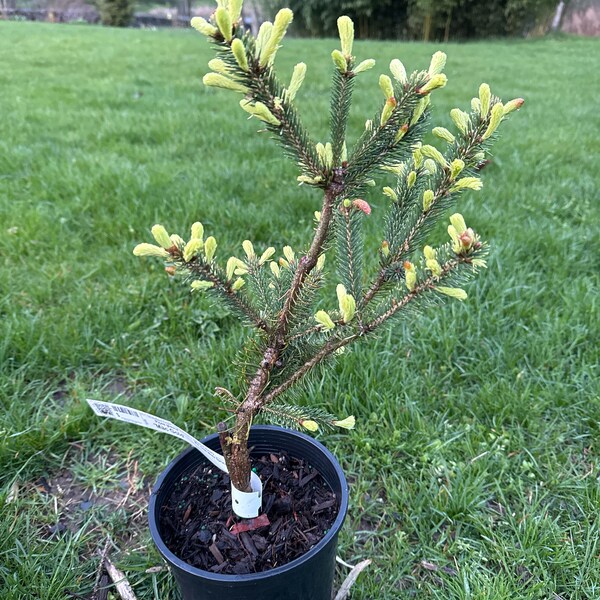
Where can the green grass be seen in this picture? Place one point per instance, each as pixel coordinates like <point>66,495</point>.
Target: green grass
<point>474,465</point>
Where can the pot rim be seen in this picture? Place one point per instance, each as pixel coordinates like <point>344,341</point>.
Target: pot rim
<point>181,564</point>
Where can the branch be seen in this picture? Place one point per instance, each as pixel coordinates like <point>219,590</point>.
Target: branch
<point>341,98</point>
<point>442,192</point>
<point>373,151</point>
<point>223,287</point>
<point>336,343</point>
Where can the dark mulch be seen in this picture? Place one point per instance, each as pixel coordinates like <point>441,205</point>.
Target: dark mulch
<point>199,527</point>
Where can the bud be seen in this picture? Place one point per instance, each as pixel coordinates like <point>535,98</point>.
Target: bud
<point>220,81</point>
<point>223,20</point>
<point>282,21</point>
<point>237,47</point>
<point>317,216</point>
<point>370,182</point>
<point>430,166</point>
<point>365,65</point>
<point>308,424</point>
<point>210,247</point>
<point>461,119</point>
<point>346,31</point>
<point>411,179</point>
<point>444,134</point>
<point>417,155</point>
<point>260,111</point>
<point>435,154</point>
<point>310,180</point>
<point>390,193</point>
<point>513,105</point>
<point>388,109</point>
<point>467,238</point>
<point>204,27</point>
<point>320,148</point>
<point>348,308</point>
<point>339,61</point>
<point>347,423</point>
<point>235,9</point>
<point>264,33</point>
<point>198,285</point>
<point>430,253</point>
<point>289,253</point>
<point>197,230</point>
<point>284,263</point>
<point>248,249</point>
<point>320,262</point>
<point>362,205</point>
<point>410,276</point>
<point>420,109</point>
<point>274,269</point>
<point>458,222</point>
<point>344,306</point>
<point>177,241</point>
<point>495,118</point>
<point>266,255</point>
<point>453,292</point>
<point>232,264</point>
<point>347,203</point>
<point>437,64</point>
<point>398,71</point>
<point>297,79</point>
<point>476,105</point>
<point>397,169</point>
<point>456,167</point>
<point>368,125</point>
<point>238,284</point>
<point>150,250</point>
<point>428,198</point>
<point>161,236</point>
<point>328,155</point>
<point>218,66</point>
<point>401,132</point>
<point>436,82</point>
<point>456,245</point>
<point>385,83</point>
<point>385,248</point>
<point>485,95</point>
<point>192,248</point>
<point>323,319</point>
<point>467,183</point>
<point>434,266</point>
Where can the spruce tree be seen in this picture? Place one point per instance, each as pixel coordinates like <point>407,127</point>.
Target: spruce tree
<point>293,330</point>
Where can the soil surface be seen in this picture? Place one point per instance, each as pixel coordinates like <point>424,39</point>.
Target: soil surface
<point>198,525</point>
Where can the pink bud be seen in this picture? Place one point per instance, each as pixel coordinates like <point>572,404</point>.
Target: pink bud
<point>467,237</point>
<point>362,205</point>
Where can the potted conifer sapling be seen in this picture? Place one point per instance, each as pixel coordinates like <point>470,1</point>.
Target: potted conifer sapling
<point>284,546</point>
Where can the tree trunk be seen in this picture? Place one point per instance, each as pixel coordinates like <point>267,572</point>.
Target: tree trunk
<point>447,28</point>
<point>427,27</point>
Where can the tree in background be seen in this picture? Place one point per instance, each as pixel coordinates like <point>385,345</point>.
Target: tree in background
<point>115,13</point>
<point>421,19</point>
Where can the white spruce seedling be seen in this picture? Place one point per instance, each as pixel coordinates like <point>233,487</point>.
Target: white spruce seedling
<point>293,328</point>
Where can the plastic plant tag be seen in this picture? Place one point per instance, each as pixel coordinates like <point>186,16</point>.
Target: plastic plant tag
<point>245,504</point>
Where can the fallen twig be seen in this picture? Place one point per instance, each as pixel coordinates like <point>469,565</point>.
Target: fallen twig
<point>121,584</point>
<point>351,579</point>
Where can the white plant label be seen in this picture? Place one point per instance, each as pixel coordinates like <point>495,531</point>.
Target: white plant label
<point>245,504</point>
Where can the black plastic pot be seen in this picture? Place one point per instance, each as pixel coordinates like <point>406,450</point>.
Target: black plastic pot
<point>309,577</point>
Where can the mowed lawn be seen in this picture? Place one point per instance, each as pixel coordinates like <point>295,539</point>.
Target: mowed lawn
<point>474,466</point>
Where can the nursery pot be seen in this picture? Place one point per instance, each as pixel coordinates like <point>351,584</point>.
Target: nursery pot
<point>309,577</point>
